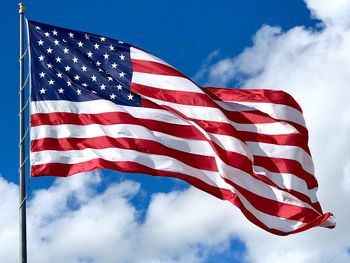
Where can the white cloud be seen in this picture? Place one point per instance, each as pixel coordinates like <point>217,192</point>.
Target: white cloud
<point>73,222</point>
<point>335,13</point>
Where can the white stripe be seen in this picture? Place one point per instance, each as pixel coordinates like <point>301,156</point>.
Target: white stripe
<point>274,222</point>
<point>277,111</point>
<point>283,151</point>
<point>165,82</point>
<point>258,187</point>
<point>288,181</point>
<point>121,131</point>
<point>103,106</point>
<point>154,161</point>
<point>161,162</point>
<point>201,147</point>
<point>136,53</point>
<point>214,114</point>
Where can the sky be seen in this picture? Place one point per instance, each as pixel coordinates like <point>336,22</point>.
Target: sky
<point>302,47</point>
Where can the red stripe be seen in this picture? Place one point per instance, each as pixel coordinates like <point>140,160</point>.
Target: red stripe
<point>152,67</point>
<point>179,97</point>
<point>295,139</point>
<point>256,117</point>
<point>184,131</point>
<point>275,208</point>
<point>280,165</point>
<point>130,167</point>
<point>295,193</point>
<point>146,146</point>
<point>253,95</point>
<point>110,118</point>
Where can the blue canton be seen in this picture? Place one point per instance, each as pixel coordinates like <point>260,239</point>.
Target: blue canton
<point>77,66</point>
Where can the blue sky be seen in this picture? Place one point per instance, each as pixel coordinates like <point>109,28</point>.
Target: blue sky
<point>183,33</point>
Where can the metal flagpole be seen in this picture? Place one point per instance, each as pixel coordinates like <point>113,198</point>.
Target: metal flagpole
<point>22,161</point>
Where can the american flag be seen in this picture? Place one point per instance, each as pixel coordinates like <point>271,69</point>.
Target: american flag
<point>100,103</point>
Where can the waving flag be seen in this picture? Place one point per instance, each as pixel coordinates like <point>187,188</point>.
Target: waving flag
<point>100,103</point>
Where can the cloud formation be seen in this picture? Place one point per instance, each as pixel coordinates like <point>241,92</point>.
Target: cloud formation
<point>74,221</point>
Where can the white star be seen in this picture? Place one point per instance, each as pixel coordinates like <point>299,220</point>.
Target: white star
<point>67,68</point>
<point>122,57</point>
<point>49,65</point>
<point>76,77</point>
<point>58,59</point>
<point>69,83</point>
<point>114,65</point>
<point>59,75</point>
<point>119,87</point>
<point>80,44</point>
<point>42,91</point>
<point>60,90</point>
<point>106,56</point>
<point>96,46</point>
<point>42,74</point>
<point>94,92</point>
<point>40,42</point>
<point>79,91</point>
<point>90,54</point>
<point>87,36</point>
<point>98,63</point>
<point>51,82</point>
<point>93,77</point>
<point>84,84</point>
<point>56,42</point>
<point>103,39</point>
<point>54,32</point>
<point>41,58</point>
<point>65,50</point>
<point>130,97</point>
<point>111,48</point>
<point>120,42</point>
<point>110,78</point>
<point>113,96</point>
<point>75,60</point>
<point>47,34</point>
<point>122,74</point>
<point>37,27</point>
<point>84,68</point>
<point>49,50</point>
<point>71,35</point>
<point>100,70</point>
<point>103,87</point>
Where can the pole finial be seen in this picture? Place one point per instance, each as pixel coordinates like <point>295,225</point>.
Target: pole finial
<point>21,8</point>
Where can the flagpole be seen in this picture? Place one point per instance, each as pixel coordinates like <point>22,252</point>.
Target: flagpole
<point>22,161</point>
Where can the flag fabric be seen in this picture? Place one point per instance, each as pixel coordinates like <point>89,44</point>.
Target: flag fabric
<point>100,103</point>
